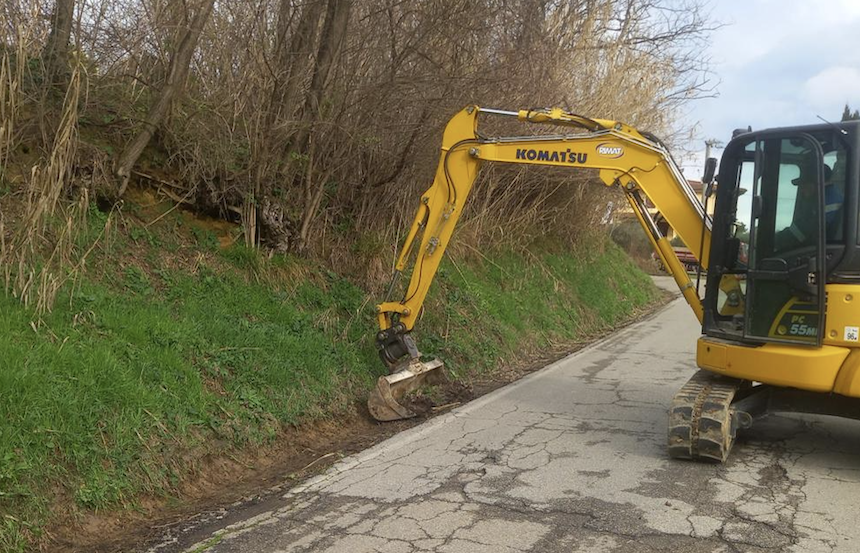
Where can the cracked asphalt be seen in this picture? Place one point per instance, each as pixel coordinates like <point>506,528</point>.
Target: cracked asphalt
<point>572,458</point>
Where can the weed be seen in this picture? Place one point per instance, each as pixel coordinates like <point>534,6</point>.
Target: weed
<point>211,542</point>
<point>142,234</point>
<point>206,239</point>
<point>137,281</point>
<point>137,234</point>
<point>243,257</point>
<point>367,245</point>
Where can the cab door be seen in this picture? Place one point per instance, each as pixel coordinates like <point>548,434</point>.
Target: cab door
<point>786,264</point>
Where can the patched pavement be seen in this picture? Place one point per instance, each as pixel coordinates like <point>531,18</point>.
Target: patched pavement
<point>570,459</point>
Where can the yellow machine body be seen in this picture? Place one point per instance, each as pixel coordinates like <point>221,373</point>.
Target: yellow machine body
<point>832,367</point>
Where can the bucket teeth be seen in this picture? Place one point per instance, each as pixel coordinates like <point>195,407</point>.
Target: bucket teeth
<point>701,422</point>
<point>384,402</point>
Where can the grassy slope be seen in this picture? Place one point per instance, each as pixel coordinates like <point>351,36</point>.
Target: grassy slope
<point>154,361</point>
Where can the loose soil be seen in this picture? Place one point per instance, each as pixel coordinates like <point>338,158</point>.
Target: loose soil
<point>225,489</point>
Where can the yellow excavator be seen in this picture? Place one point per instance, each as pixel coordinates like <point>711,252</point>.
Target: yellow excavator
<point>780,326</point>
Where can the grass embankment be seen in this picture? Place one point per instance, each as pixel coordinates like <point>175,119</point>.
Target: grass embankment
<point>155,361</point>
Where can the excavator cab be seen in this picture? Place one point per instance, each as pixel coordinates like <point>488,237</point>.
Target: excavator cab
<point>780,321</point>
<point>779,230</point>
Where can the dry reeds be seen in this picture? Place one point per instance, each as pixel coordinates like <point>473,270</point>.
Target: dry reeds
<point>317,122</point>
<point>10,104</point>
<point>45,252</point>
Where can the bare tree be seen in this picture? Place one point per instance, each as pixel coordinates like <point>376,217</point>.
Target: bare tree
<point>56,52</point>
<point>331,39</point>
<point>176,75</point>
<point>306,117</point>
<point>295,58</point>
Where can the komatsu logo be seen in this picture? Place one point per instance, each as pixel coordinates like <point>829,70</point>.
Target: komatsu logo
<point>610,151</point>
<point>566,156</point>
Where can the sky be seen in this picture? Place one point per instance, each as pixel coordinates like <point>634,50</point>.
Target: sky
<point>778,63</point>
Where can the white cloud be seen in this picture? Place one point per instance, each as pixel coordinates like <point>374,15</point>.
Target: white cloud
<point>833,87</point>
<point>755,28</point>
<point>780,62</point>
<point>848,8</point>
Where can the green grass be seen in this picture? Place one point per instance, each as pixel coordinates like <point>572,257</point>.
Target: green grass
<point>146,367</point>
<point>516,302</point>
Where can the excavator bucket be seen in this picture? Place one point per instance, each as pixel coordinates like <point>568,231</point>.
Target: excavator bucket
<point>384,402</point>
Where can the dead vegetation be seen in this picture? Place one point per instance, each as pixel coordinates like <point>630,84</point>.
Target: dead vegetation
<point>312,123</point>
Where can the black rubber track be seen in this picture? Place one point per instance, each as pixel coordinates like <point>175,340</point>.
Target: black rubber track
<point>700,421</point>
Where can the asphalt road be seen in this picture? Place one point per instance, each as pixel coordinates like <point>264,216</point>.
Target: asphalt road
<point>572,459</point>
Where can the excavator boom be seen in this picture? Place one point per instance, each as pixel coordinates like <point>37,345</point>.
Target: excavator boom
<point>636,162</point>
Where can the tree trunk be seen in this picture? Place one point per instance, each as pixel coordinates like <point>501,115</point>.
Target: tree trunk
<point>331,39</point>
<point>294,60</point>
<point>291,98</point>
<point>293,57</point>
<point>176,75</point>
<point>56,49</point>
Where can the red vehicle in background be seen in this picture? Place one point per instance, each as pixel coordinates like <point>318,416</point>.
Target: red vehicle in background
<point>685,256</point>
<point>691,264</point>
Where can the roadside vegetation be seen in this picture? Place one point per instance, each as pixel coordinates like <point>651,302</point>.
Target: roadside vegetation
<point>200,202</point>
<point>173,348</point>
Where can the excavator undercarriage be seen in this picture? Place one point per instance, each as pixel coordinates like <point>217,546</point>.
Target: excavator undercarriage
<point>710,409</point>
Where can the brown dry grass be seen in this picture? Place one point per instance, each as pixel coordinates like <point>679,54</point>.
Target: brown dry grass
<point>46,249</point>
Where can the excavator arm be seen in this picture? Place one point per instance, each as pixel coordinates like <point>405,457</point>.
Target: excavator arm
<point>637,162</point>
